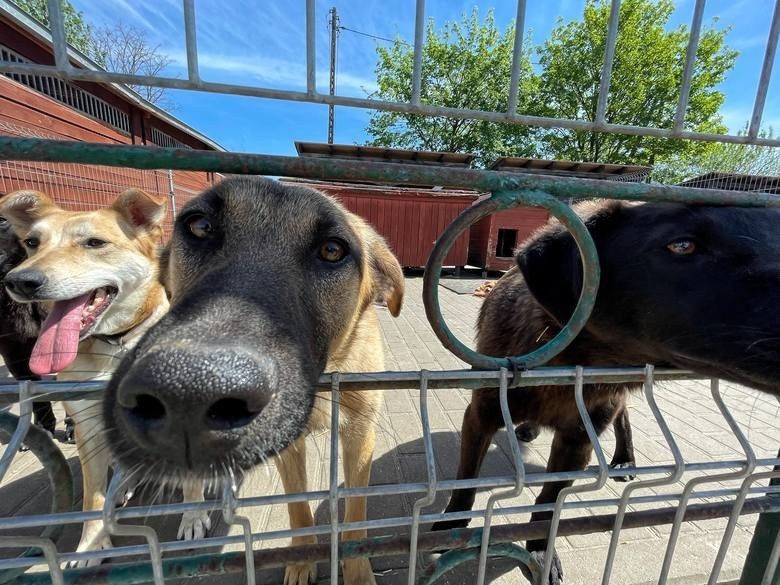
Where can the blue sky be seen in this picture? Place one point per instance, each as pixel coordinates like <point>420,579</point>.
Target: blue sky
<point>263,43</point>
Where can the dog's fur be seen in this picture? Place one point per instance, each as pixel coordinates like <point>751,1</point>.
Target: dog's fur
<point>19,325</point>
<point>686,286</point>
<point>260,308</point>
<point>71,254</point>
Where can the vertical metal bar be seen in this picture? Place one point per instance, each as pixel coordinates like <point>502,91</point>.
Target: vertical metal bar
<point>334,33</point>
<point>311,48</point>
<point>732,523</point>
<point>229,491</point>
<point>690,60</point>
<point>565,492</point>
<point>771,566</point>
<point>172,193</point>
<point>746,470</point>
<point>25,417</point>
<point>517,56</point>
<point>517,461</point>
<point>114,528</point>
<point>766,73</point>
<point>333,494</point>
<point>419,30</point>
<point>58,38</point>
<point>609,58</point>
<point>430,464</point>
<point>191,40</point>
<point>679,469</point>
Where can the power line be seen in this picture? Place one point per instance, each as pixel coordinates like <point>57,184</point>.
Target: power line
<point>365,34</point>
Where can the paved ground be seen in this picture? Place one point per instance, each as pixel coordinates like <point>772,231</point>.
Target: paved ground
<point>702,433</point>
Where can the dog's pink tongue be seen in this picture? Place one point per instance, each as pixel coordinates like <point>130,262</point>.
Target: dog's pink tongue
<point>58,342</point>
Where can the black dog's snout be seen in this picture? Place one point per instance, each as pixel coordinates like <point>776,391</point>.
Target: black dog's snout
<point>25,282</point>
<point>201,394</point>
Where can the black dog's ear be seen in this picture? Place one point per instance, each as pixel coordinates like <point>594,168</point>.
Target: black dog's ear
<point>551,263</point>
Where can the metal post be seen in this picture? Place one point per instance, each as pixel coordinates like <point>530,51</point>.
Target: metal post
<point>172,193</point>
<point>757,560</point>
<point>334,32</point>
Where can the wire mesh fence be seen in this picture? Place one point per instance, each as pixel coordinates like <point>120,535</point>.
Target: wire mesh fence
<point>711,447</point>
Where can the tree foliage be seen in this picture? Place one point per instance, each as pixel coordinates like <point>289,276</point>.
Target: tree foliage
<point>466,64</point>
<point>120,48</point>
<point>645,85</point>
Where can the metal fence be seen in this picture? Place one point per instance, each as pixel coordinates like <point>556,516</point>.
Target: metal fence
<point>703,495</point>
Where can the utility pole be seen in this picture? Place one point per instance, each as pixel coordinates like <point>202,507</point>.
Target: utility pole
<point>334,32</point>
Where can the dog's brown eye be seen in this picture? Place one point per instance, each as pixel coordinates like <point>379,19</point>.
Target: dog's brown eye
<point>332,251</point>
<point>200,227</point>
<point>31,242</point>
<point>95,243</point>
<point>682,247</point>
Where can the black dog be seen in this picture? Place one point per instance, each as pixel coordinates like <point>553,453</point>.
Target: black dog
<point>20,324</point>
<point>688,286</point>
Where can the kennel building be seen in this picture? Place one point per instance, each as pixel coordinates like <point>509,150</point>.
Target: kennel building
<point>670,497</point>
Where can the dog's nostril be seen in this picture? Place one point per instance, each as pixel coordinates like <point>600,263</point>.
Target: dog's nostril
<point>148,408</point>
<point>229,413</point>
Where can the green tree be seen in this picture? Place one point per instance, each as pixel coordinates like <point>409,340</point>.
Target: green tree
<point>78,33</point>
<point>645,85</point>
<point>466,64</point>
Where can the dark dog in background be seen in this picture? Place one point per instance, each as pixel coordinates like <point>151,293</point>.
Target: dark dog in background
<point>687,286</point>
<point>20,324</point>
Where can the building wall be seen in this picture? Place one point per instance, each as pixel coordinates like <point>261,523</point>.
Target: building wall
<point>409,219</point>
<point>27,113</point>
<point>484,235</point>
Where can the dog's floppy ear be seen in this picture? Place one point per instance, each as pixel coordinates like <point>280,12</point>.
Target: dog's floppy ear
<point>551,263</point>
<point>386,273</point>
<point>22,208</point>
<point>140,208</point>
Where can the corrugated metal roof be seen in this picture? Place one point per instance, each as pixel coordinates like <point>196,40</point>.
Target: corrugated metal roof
<point>381,153</point>
<point>590,170</point>
<point>735,182</point>
<point>37,30</point>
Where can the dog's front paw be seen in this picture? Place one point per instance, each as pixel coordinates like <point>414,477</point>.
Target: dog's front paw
<point>194,525</point>
<point>358,572</point>
<point>626,465</point>
<point>101,542</point>
<point>301,574</point>
<point>556,570</point>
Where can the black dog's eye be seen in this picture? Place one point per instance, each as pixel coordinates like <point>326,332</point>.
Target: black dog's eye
<point>682,247</point>
<point>31,242</point>
<point>332,251</point>
<point>95,243</point>
<point>199,226</point>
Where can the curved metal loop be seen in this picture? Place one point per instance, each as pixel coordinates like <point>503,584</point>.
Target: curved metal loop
<point>453,558</point>
<point>60,479</point>
<point>229,505</point>
<point>500,201</point>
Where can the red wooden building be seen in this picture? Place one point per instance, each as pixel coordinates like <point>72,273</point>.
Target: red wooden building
<point>43,106</point>
<point>409,218</point>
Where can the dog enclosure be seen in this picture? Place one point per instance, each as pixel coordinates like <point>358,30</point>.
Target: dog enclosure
<point>705,494</point>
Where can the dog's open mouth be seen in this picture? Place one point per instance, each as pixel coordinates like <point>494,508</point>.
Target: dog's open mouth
<point>68,322</point>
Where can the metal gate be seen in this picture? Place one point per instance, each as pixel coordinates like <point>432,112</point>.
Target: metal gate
<point>702,497</point>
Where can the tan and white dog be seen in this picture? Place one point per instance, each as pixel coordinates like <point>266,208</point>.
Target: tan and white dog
<point>98,273</point>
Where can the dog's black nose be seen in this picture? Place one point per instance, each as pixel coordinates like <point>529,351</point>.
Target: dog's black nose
<point>193,402</point>
<point>25,282</point>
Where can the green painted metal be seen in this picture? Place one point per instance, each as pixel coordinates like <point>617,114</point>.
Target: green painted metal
<point>501,201</point>
<point>142,157</point>
<point>60,479</point>
<point>454,558</point>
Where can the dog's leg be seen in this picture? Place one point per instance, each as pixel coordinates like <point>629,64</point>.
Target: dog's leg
<point>357,439</point>
<point>624,444</point>
<point>291,464</point>
<point>195,524</point>
<point>476,434</point>
<point>94,456</point>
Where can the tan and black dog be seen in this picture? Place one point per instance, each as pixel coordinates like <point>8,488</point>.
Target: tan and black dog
<point>272,286</point>
<point>97,272</point>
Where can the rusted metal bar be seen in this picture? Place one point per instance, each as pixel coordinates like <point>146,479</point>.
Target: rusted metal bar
<point>384,546</point>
